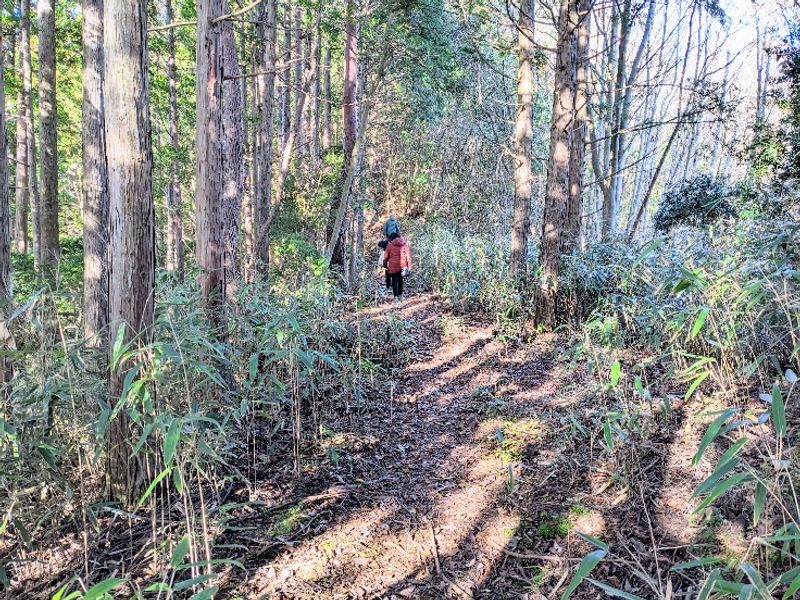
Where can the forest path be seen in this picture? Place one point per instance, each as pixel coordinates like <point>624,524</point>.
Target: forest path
<point>421,506</point>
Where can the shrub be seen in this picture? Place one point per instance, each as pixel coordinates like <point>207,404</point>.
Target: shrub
<point>696,202</point>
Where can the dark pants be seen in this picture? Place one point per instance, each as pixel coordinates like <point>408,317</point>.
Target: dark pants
<point>388,280</point>
<point>397,284</point>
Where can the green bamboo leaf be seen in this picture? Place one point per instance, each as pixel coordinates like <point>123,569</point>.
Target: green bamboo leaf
<point>723,487</point>
<point>153,485</point>
<point>708,585</point>
<point>699,322</point>
<point>183,585</point>
<point>711,434</point>
<point>755,579</point>
<point>778,411</point>
<point>612,591</point>
<point>727,463</point>
<point>696,383</point>
<point>206,593</point>
<point>758,502</point>
<point>700,562</point>
<point>792,589</point>
<point>171,440</point>
<point>609,439</point>
<point>99,590</point>
<point>616,371</point>
<point>593,540</point>
<point>588,563</point>
<point>180,551</point>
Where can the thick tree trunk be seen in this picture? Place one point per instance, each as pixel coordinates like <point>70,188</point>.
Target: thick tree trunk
<point>349,120</point>
<point>263,151</point>
<point>27,90</point>
<point>554,223</point>
<point>22,195</point>
<point>521,141</point>
<point>314,135</point>
<point>132,219</point>
<point>174,235</point>
<point>95,180</point>
<point>326,100</point>
<point>232,153</point>
<point>208,196</point>
<point>47,131</point>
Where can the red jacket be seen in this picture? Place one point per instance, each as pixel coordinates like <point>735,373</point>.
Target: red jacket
<point>398,256</point>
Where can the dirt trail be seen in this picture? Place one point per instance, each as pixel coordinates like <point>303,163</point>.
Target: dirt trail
<point>428,517</point>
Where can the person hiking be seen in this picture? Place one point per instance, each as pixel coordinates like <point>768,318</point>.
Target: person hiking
<point>382,245</point>
<point>397,262</point>
<point>391,226</point>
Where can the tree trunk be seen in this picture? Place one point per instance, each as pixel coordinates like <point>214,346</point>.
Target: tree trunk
<point>132,219</point>
<point>263,151</point>
<point>349,119</point>
<point>580,33</point>
<point>326,100</point>
<point>521,141</point>
<point>315,91</point>
<point>175,250</point>
<point>22,196</point>
<point>27,90</point>
<point>47,131</point>
<point>6,285</point>
<point>208,196</point>
<point>95,180</point>
<point>554,222</point>
<point>232,153</point>
<point>297,70</point>
<point>286,77</point>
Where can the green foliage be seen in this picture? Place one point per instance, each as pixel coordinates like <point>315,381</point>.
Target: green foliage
<point>695,202</point>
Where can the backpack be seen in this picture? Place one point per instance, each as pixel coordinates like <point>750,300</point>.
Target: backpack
<point>391,226</point>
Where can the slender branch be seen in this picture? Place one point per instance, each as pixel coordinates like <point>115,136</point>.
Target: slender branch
<point>237,13</point>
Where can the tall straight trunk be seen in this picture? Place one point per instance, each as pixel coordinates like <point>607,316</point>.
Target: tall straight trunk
<point>326,99</point>
<point>232,152</point>
<point>349,118</point>
<point>6,287</point>
<point>47,131</point>
<point>209,174</point>
<point>315,91</point>
<point>522,139</point>
<point>297,71</point>
<point>263,151</point>
<point>95,179</point>
<point>132,258</point>
<point>554,222</point>
<point>580,34</point>
<point>174,235</point>
<point>286,77</point>
<point>27,90</point>
<point>22,196</point>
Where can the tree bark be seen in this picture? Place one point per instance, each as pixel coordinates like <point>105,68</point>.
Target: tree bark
<point>6,284</point>
<point>22,195</point>
<point>132,219</point>
<point>47,131</point>
<point>314,135</point>
<point>175,250</point>
<point>326,100</point>
<point>349,121</point>
<point>286,92</point>
<point>297,70</point>
<point>209,175</point>
<point>95,180</point>
<point>554,222</point>
<point>579,125</point>
<point>232,153</point>
<point>264,141</point>
<point>521,141</point>
<point>27,90</point>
